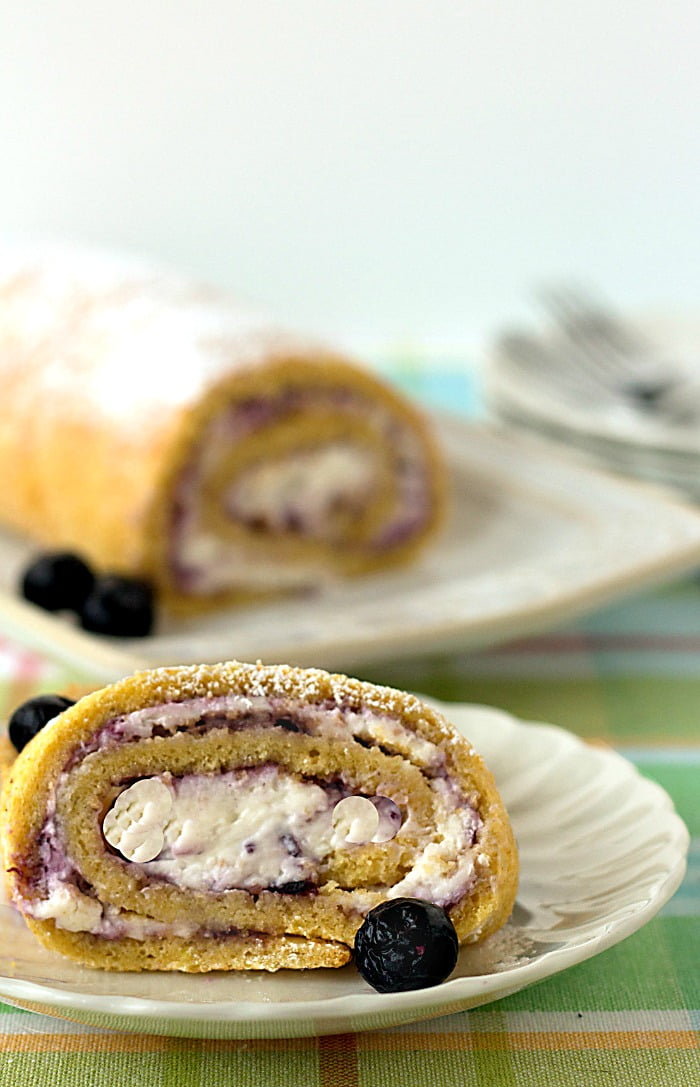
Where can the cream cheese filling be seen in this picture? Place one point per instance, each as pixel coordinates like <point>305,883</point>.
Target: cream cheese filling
<point>306,487</point>
<point>246,829</point>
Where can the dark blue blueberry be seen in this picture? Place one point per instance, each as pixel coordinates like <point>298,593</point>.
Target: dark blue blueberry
<point>31,716</point>
<point>406,943</point>
<point>298,887</point>
<point>57,581</point>
<point>287,724</point>
<point>120,606</point>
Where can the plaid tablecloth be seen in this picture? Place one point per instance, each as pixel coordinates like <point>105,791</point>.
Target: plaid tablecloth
<point>628,675</point>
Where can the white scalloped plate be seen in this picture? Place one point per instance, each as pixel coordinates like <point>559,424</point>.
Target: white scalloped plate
<point>534,538</point>
<point>601,851</point>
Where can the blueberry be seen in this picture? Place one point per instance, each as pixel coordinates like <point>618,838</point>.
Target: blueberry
<point>297,887</point>
<point>120,606</point>
<point>31,716</point>
<point>406,943</point>
<point>57,581</point>
<point>287,724</point>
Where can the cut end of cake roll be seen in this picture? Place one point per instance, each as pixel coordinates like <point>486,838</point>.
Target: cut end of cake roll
<point>304,470</point>
<point>165,432</point>
<point>233,817</point>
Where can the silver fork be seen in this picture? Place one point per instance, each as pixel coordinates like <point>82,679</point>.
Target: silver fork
<point>619,356</point>
<point>588,356</point>
<point>538,361</point>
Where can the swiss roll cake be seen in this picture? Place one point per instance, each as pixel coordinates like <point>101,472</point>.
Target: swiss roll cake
<point>234,816</point>
<point>164,432</point>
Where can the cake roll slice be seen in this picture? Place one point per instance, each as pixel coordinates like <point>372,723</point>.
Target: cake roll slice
<point>166,433</point>
<point>241,816</point>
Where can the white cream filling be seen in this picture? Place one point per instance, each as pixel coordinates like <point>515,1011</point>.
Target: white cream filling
<point>68,907</point>
<point>334,723</point>
<point>77,912</point>
<point>446,866</point>
<point>309,484</point>
<point>134,824</point>
<point>248,829</point>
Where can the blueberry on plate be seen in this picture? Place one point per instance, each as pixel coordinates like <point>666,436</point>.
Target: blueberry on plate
<point>57,581</point>
<point>31,716</point>
<point>406,943</point>
<point>120,606</point>
<point>296,887</point>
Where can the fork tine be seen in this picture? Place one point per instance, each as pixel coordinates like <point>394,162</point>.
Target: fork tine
<point>583,314</point>
<point>602,341</point>
<point>535,358</point>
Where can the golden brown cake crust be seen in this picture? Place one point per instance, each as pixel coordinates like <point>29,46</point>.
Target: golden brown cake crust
<point>318,928</point>
<point>195,954</point>
<point>7,758</point>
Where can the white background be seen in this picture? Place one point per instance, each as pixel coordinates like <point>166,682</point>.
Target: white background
<point>390,173</point>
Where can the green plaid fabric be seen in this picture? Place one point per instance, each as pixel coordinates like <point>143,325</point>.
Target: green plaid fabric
<point>628,675</point>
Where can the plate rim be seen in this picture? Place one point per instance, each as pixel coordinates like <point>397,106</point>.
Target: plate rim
<point>467,991</point>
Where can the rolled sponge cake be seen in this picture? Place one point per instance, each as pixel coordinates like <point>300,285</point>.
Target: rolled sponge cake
<point>166,432</point>
<point>189,819</point>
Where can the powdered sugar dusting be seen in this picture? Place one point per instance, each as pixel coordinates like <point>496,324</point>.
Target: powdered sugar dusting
<point>506,949</point>
<point>308,684</point>
<point>125,335</point>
